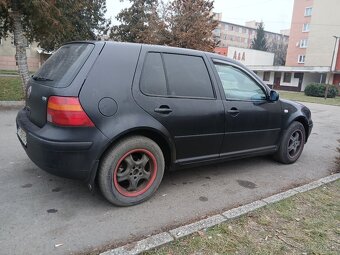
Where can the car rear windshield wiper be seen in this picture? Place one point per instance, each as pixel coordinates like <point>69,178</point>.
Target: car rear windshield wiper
<point>38,78</point>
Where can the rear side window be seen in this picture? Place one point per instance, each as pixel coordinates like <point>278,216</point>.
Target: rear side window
<point>63,66</point>
<point>180,76</point>
<point>187,76</point>
<point>153,77</point>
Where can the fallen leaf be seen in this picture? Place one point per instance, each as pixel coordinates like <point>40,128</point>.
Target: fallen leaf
<point>201,233</point>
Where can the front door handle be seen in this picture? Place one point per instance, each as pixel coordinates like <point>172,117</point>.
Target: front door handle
<point>234,111</point>
<point>163,109</point>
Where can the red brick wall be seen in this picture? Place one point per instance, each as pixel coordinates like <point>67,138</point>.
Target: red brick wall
<point>9,63</point>
<point>336,81</point>
<point>221,50</point>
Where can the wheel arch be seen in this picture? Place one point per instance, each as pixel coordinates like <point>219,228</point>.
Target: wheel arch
<point>304,122</point>
<point>166,145</point>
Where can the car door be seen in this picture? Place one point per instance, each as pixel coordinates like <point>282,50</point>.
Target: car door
<point>177,90</point>
<point>253,123</point>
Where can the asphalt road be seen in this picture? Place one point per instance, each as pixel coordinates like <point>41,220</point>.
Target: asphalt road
<point>39,211</point>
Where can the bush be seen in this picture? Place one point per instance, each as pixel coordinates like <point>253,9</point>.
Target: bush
<point>318,90</point>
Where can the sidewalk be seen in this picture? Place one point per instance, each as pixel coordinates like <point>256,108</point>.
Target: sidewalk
<point>303,220</point>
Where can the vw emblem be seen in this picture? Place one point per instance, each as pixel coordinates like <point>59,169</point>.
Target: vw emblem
<point>29,91</point>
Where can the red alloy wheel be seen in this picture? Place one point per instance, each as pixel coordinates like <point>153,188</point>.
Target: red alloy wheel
<point>135,172</point>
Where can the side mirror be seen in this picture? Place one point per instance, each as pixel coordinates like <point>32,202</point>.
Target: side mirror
<point>273,96</point>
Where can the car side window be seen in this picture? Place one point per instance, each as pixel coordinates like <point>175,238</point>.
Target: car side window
<point>187,76</point>
<point>237,85</point>
<point>153,80</point>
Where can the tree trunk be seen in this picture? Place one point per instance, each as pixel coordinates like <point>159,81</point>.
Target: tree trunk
<point>20,55</point>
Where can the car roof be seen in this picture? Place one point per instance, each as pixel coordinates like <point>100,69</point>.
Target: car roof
<point>163,47</point>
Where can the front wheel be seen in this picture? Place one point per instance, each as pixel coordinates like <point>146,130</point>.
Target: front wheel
<point>131,171</point>
<point>292,144</point>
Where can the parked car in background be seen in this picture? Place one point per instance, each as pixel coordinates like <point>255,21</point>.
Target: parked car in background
<point>121,114</point>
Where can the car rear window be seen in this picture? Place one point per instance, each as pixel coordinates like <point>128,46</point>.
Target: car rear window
<point>63,66</point>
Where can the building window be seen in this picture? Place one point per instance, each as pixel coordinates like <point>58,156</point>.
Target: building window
<point>303,43</point>
<point>266,76</point>
<point>305,27</point>
<point>301,59</point>
<point>308,11</point>
<point>231,28</point>
<point>287,77</point>
<point>217,32</point>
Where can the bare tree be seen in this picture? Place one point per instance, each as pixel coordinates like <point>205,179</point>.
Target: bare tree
<point>279,48</point>
<point>179,23</point>
<point>191,24</point>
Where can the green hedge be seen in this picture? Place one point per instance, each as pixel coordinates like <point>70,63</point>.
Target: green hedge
<point>318,90</point>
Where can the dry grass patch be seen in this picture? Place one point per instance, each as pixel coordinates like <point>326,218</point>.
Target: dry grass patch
<point>307,223</point>
<point>10,89</point>
<point>301,97</point>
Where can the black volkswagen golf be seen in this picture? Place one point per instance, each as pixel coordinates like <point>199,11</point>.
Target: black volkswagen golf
<point>120,114</point>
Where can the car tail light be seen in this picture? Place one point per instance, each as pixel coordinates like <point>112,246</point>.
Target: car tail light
<point>67,111</point>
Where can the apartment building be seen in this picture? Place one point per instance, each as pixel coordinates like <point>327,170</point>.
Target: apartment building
<point>230,34</point>
<point>299,32</point>
<point>314,25</point>
<point>313,49</point>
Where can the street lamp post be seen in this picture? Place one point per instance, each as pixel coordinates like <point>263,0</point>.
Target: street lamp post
<point>332,63</point>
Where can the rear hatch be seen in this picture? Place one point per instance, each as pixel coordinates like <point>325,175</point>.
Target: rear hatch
<point>62,74</point>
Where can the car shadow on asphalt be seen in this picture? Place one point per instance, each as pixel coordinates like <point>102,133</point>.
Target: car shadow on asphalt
<point>71,191</point>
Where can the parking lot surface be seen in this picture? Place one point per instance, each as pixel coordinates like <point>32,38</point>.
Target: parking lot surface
<point>44,214</point>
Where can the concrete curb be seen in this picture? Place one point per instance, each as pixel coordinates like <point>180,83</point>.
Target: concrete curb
<point>142,245</point>
<point>236,212</point>
<point>194,227</point>
<point>12,104</point>
<point>9,75</point>
<point>167,237</point>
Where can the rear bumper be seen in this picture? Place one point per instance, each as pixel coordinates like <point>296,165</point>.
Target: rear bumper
<point>66,152</point>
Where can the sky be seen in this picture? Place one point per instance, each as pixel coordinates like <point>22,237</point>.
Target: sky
<point>275,14</point>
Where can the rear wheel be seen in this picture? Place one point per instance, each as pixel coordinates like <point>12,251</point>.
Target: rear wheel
<point>292,144</point>
<point>131,171</point>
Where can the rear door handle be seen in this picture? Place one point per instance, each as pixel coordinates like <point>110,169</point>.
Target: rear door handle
<point>234,111</point>
<point>163,109</point>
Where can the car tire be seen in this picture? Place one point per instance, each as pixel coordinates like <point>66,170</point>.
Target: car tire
<point>131,171</point>
<point>292,144</point>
